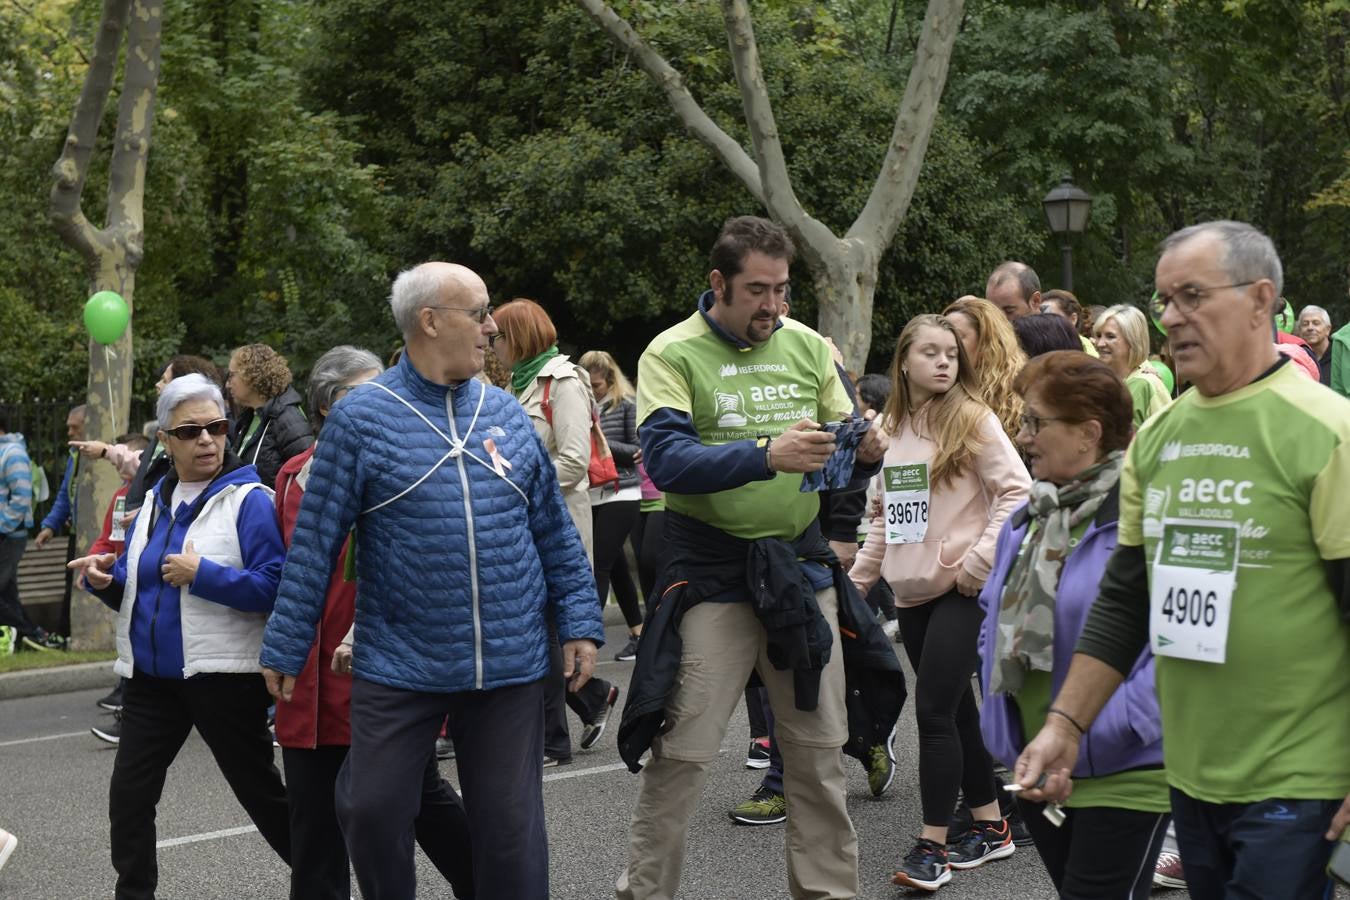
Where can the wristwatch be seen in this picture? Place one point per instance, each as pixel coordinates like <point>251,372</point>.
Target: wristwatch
<point>765,441</point>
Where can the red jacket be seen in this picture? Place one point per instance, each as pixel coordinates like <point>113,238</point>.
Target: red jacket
<point>105,543</point>
<point>318,712</point>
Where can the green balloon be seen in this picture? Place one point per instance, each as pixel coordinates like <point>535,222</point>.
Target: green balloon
<point>106,316</point>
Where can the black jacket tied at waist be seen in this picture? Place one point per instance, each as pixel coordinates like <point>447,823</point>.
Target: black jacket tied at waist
<point>705,564</point>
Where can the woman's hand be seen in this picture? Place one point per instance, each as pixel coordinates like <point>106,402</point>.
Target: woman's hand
<point>94,569</point>
<point>968,584</point>
<point>180,568</point>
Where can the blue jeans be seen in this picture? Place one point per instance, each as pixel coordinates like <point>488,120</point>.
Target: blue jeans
<point>1267,850</point>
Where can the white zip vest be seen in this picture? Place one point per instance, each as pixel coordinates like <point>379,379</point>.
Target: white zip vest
<point>216,638</point>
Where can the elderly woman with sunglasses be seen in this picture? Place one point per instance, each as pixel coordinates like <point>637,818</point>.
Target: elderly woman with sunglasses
<point>193,590</point>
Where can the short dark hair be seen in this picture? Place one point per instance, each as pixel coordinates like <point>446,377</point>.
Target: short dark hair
<point>1081,389</point>
<point>1042,332</point>
<point>873,391</point>
<point>1027,280</point>
<point>186,364</point>
<point>1067,301</point>
<point>743,235</point>
<point>134,440</point>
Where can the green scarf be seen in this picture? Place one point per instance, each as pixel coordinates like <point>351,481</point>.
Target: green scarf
<point>1025,639</point>
<point>524,372</point>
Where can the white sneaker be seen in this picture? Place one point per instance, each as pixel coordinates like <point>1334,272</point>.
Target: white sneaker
<point>7,844</point>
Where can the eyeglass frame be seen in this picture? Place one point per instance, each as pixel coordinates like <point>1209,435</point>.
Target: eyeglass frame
<point>1025,422</point>
<point>1160,301</point>
<point>173,432</point>
<point>479,313</point>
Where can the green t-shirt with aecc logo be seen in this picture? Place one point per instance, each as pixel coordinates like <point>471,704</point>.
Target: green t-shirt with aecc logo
<point>1255,479</point>
<point>735,394</point>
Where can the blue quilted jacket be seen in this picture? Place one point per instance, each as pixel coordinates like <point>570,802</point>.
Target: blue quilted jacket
<point>457,564</point>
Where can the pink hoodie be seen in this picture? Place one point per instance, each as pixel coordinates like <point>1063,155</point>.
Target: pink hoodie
<point>965,515</point>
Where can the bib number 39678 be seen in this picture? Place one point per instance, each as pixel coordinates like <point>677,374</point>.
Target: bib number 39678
<point>1191,591</point>
<point>907,499</point>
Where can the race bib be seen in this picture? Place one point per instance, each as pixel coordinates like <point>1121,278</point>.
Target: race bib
<point>1191,591</point>
<point>907,498</point>
<point>119,531</point>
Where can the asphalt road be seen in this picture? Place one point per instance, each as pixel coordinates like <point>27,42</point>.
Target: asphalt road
<point>55,799</point>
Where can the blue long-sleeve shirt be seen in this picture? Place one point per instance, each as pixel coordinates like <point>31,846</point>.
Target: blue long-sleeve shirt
<point>63,504</point>
<point>16,485</point>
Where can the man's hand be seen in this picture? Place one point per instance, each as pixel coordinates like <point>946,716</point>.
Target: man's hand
<point>1340,822</point>
<point>94,569</point>
<point>802,448</point>
<point>871,448</point>
<point>847,551</point>
<point>90,449</point>
<point>579,662</point>
<point>342,659</point>
<point>967,584</point>
<point>1053,754</point>
<point>43,537</point>
<point>180,568</point>
<point>281,687</point>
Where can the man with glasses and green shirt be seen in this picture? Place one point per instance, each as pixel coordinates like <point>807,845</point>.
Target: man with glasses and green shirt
<point>729,402</point>
<point>1234,565</point>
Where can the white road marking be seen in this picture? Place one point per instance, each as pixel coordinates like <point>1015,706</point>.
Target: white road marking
<point>49,737</point>
<point>205,836</point>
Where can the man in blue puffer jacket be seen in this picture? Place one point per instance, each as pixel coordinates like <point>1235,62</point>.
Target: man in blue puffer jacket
<point>463,549</point>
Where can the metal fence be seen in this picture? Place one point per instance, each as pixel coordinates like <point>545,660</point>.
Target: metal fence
<point>43,425</point>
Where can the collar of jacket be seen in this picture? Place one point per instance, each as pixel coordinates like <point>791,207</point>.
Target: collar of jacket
<point>423,388</point>
<point>164,493</point>
<point>272,408</point>
<point>705,302</point>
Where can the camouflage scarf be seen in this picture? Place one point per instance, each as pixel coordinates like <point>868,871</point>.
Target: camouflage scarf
<point>1026,616</point>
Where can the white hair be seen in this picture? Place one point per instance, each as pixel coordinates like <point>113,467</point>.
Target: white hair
<point>1317,311</point>
<point>183,389</point>
<point>414,289</point>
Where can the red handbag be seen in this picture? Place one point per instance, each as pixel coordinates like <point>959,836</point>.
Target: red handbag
<point>601,469</point>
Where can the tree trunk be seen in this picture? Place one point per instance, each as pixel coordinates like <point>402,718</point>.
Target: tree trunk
<point>112,254</point>
<point>845,282</point>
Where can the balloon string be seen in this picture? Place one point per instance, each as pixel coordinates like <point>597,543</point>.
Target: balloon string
<point>112,409</point>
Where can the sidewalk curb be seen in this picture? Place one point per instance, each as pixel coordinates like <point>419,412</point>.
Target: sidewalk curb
<point>57,680</point>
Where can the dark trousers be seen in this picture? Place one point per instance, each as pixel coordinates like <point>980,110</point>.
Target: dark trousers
<point>773,776</point>
<point>588,703</point>
<point>1268,850</point>
<point>11,610</point>
<point>230,713</point>
<point>319,862</point>
<point>63,624</point>
<point>1099,851</point>
<point>498,737</point>
<point>611,524</point>
<point>940,640</point>
<point>648,539</point>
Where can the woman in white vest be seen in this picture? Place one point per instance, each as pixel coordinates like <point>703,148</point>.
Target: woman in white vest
<point>193,590</point>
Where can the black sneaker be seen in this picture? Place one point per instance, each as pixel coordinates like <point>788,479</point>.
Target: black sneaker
<point>925,867</point>
<point>551,762</point>
<point>591,733</point>
<point>45,640</point>
<point>757,757</point>
<point>112,702</point>
<point>985,841</point>
<point>629,651</point>
<point>112,733</point>
<point>445,748</point>
<point>962,821</point>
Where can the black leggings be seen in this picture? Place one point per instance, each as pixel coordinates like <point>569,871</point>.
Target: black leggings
<point>941,641</point>
<point>1098,851</point>
<point>648,536</point>
<point>611,523</point>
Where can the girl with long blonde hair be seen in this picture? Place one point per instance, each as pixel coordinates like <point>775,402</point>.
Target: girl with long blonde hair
<point>994,354</point>
<point>950,478</point>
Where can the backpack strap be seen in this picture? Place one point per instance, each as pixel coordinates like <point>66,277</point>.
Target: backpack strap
<point>545,405</point>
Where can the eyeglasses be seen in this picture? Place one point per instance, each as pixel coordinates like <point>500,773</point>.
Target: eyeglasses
<point>1032,424</point>
<point>191,432</point>
<point>1188,298</point>
<point>479,313</point>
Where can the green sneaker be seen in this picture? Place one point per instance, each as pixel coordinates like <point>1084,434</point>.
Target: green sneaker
<point>881,766</point>
<point>763,808</point>
<point>8,636</point>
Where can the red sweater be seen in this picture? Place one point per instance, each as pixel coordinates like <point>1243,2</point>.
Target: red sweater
<point>318,712</point>
<point>105,543</point>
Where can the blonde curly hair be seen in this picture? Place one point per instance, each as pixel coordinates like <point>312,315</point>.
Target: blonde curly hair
<point>262,369</point>
<point>999,356</point>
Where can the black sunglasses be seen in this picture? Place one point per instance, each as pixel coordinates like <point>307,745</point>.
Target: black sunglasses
<point>191,432</point>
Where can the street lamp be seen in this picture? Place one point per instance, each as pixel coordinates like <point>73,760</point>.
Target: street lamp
<point>1066,209</point>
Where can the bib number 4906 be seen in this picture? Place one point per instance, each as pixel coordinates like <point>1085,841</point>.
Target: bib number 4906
<point>1181,606</point>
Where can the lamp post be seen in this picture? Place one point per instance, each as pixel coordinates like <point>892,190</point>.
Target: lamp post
<point>1066,209</point>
